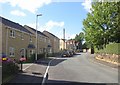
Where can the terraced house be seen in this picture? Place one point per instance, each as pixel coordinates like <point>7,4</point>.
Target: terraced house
<point>62,44</point>
<point>43,41</point>
<point>54,41</point>
<point>17,41</point>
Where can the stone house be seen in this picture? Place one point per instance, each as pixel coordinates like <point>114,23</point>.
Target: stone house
<point>16,40</point>
<point>54,41</point>
<point>43,41</point>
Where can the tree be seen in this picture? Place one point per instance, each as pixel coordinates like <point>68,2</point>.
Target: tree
<point>101,25</point>
<point>79,38</point>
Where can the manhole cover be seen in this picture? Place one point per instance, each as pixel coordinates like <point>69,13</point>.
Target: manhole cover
<point>36,73</point>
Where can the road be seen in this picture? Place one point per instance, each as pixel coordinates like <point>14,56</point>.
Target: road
<point>81,69</point>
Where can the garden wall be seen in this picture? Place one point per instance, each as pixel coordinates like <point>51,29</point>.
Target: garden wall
<point>111,53</point>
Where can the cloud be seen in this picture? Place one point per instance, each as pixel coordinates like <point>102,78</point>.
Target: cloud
<point>18,13</point>
<point>51,24</point>
<point>87,5</point>
<point>48,26</point>
<point>30,5</point>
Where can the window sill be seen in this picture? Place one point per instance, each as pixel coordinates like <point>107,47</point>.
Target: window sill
<point>12,37</point>
<point>12,56</point>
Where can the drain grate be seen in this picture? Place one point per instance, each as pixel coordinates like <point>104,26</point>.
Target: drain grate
<point>36,73</point>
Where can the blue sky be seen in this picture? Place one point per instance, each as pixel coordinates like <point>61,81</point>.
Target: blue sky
<point>55,15</point>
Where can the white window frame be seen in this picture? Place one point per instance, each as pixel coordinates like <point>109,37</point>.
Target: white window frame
<point>45,39</point>
<point>30,38</point>
<point>22,36</point>
<point>12,33</point>
<point>12,52</point>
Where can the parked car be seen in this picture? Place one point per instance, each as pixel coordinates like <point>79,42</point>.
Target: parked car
<point>71,53</point>
<point>65,54</point>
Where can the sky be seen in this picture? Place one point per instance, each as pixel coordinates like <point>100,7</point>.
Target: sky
<point>56,14</point>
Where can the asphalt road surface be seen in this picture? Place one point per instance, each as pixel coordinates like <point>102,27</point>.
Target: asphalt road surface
<point>81,69</point>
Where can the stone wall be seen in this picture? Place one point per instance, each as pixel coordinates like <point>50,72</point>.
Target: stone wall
<point>111,58</point>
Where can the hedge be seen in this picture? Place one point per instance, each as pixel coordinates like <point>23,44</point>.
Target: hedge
<point>113,48</point>
<point>9,68</point>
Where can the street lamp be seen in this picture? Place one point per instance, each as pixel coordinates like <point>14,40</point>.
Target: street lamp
<point>36,33</point>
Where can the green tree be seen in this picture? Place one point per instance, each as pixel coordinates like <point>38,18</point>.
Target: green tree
<point>101,25</point>
<point>79,38</point>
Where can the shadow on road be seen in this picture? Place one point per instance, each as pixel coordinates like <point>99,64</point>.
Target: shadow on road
<point>61,82</point>
<point>57,61</point>
<point>25,79</point>
<point>77,54</point>
<point>43,61</point>
<point>53,63</point>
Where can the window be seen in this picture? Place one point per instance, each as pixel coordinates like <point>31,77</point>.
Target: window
<point>40,38</point>
<point>12,33</point>
<point>30,38</point>
<point>45,39</point>
<point>48,40</point>
<point>12,52</point>
<point>22,36</point>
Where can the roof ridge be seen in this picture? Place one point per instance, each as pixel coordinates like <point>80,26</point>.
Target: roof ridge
<point>50,33</point>
<point>37,30</point>
<point>13,24</point>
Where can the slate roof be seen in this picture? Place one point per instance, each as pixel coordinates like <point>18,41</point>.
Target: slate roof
<point>51,34</point>
<point>37,31</point>
<point>13,25</point>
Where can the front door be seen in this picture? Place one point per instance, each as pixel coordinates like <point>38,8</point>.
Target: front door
<point>31,52</point>
<point>22,52</point>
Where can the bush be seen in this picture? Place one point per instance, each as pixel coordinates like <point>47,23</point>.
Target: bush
<point>50,55</point>
<point>30,59</point>
<point>112,48</point>
<point>39,56</point>
<point>9,68</point>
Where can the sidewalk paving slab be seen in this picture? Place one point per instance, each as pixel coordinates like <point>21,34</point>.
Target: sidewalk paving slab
<point>33,73</point>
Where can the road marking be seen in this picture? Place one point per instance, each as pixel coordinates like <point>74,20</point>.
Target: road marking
<point>45,75</point>
<point>27,67</point>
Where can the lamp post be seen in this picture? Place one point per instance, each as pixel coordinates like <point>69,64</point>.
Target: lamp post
<point>36,33</point>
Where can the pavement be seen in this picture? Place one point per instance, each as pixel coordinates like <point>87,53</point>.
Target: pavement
<point>32,74</point>
<point>0,74</point>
